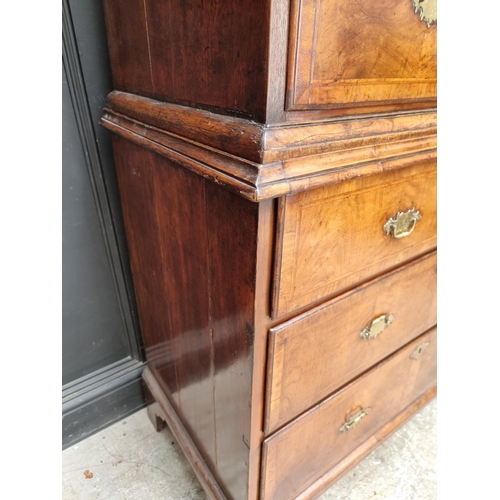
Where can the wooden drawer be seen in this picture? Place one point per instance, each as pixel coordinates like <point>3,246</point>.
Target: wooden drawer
<point>306,449</point>
<point>332,238</point>
<point>350,54</point>
<point>316,353</point>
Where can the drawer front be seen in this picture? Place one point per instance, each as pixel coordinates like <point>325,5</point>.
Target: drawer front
<point>333,237</point>
<point>300,453</point>
<point>314,354</point>
<point>346,54</point>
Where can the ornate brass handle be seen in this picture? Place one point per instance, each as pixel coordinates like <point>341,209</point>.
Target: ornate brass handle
<point>354,420</point>
<point>427,10</point>
<point>402,224</point>
<point>376,327</point>
<point>419,350</point>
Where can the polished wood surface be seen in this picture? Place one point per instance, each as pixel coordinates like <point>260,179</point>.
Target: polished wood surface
<point>147,264</point>
<point>332,238</point>
<point>230,57</point>
<point>160,410</point>
<point>317,352</point>
<point>193,248</point>
<point>230,134</point>
<point>300,453</point>
<point>232,252</point>
<point>263,144</point>
<point>262,312</point>
<point>321,139</point>
<point>191,389</point>
<point>380,52</point>
<point>260,148</point>
<point>346,464</point>
<point>182,51</point>
<point>263,162</point>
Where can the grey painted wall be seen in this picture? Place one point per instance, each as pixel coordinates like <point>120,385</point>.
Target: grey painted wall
<point>102,355</point>
<point>94,331</point>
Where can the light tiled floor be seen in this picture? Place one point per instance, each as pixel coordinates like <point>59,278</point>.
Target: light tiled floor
<point>131,461</point>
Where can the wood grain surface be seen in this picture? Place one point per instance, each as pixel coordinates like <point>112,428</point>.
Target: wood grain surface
<point>296,456</point>
<point>193,248</point>
<point>205,54</point>
<point>324,482</point>
<point>260,148</point>
<point>344,52</point>
<point>258,143</point>
<point>161,411</point>
<point>332,238</point>
<point>317,352</point>
<point>261,162</point>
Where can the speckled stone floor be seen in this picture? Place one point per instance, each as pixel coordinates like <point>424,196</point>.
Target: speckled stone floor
<point>131,461</point>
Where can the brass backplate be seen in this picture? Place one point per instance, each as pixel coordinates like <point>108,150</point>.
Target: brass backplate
<point>402,224</point>
<point>354,419</point>
<point>376,327</point>
<point>427,10</point>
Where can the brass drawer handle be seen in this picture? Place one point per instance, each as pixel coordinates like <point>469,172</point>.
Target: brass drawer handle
<point>419,350</point>
<point>427,10</point>
<point>355,419</point>
<point>376,327</point>
<point>402,224</point>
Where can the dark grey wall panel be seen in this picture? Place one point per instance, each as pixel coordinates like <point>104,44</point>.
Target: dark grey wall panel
<point>93,328</point>
<point>102,353</point>
<point>90,34</point>
<point>96,405</point>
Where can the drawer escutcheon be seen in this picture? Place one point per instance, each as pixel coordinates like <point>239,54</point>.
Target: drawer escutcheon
<point>355,419</point>
<point>376,327</point>
<point>402,224</point>
<point>419,350</point>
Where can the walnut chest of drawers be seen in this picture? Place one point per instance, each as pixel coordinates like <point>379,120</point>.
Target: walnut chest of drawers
<point>277,171</point>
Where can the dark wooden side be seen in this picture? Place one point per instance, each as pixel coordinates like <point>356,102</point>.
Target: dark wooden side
<point>161,412</point>
<point>181,51</point>
<point>193,248</point>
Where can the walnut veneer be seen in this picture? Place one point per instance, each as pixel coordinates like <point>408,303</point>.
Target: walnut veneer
<point>277,171</point>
